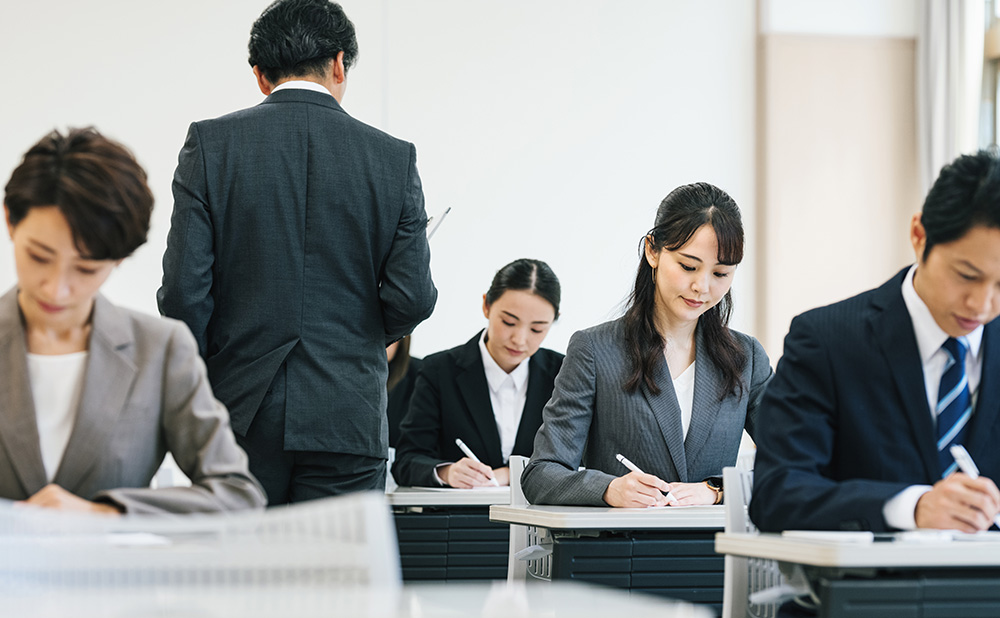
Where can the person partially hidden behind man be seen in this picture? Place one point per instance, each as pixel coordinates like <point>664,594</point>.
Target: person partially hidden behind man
<point>872,391</point>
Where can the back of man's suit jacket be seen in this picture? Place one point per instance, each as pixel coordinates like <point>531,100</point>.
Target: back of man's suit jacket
<point>298,238</point>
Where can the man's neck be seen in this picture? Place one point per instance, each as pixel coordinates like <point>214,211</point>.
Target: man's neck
<point>336,90</point>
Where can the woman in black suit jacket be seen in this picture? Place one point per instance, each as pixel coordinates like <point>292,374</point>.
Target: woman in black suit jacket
<point>452,398</point>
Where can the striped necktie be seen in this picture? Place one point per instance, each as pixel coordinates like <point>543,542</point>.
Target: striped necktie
<point>954,406</point>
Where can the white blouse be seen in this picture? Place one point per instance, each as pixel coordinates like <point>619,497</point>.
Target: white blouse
<point>56,387</point>
<point>684,389</point>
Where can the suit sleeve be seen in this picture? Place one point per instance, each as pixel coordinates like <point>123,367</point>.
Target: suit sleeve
<point>407,293</point>
<point>196,428</point>
<point>760,374</point>
<point>185,292</point>
<point>795,484</point>
<point>552,475</point>
<point>420,433</point>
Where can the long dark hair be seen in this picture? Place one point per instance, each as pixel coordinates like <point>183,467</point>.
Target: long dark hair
<point>529,275</point>
<point>679,216</point>
<point>399,364</point>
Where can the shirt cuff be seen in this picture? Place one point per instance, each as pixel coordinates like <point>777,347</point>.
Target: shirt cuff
<point>900,511</point>
<point>438,478</point>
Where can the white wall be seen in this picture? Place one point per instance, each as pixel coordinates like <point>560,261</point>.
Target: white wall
<point>552,128</point>
<point>880,18</point>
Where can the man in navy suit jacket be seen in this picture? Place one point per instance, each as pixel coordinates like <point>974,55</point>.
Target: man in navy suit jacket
<point>847,436</point>
<point>297,251</point>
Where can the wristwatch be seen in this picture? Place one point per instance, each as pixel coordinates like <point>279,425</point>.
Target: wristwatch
<point>715,484</point>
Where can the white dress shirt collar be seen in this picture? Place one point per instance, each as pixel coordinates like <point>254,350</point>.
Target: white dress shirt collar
<point>301,84</point>
<point>929,335</point>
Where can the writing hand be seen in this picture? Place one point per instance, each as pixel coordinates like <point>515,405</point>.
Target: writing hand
<point>959,503</point>
<point>688,494</point>
<point>466,474</point>
<point>637,490</point>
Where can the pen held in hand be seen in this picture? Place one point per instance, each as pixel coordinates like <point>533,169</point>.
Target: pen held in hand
<point>634,468</point>
<point>468,453</point>
<point>968,466</point>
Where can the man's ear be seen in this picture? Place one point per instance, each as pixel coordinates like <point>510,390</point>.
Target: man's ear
<point>337,70</point>
<point>918,237</point>
<point>265,86</point>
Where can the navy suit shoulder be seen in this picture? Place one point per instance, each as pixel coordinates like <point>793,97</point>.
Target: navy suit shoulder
<point>845,422</point>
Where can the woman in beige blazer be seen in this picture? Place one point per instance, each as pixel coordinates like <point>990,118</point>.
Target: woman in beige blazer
<point>93,395</point>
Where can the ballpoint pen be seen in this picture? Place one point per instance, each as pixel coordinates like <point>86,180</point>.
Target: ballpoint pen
<point>433,228</point>
<point>966,465</point>
<point>634,468</point>
<point>468,453</point>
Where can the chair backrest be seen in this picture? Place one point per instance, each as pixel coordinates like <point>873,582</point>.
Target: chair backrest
<point>744,576</point>
<point>348,540</point>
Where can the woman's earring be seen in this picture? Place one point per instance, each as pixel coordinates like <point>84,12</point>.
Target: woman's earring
<point>654,276</point>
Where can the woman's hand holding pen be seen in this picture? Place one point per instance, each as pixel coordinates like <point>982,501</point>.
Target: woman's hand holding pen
<point>690,494</point>
<point>466,474</point>
<point>638,490</point>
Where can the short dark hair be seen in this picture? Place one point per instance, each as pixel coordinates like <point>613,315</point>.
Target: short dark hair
<point>965,195</point>
<point>97,185</point>
<point>293,38</point>
<point>682,213</point>
<point>529,275</point>
<point>399,364</point>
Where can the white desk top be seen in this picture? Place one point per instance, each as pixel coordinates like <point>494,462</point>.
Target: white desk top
<point>417,601</point>
<point>427,496</point>
<point>907,550</point>
<point>608,518</point>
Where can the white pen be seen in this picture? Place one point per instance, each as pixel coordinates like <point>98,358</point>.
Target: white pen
<point>430,229</point>
<point>966,465</point>
<point>634,468</point>
<point>468,453</point>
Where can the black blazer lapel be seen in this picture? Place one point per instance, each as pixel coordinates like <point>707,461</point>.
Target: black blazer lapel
<point>107,382</point>
<point>892,330</point>
<point>706,405</point>
<point>18,427</point>
<point>471,380</point>
<point>668,415</point>
<point>983,425</point>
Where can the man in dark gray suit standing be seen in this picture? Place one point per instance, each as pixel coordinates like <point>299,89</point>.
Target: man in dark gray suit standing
<point>297,251</point>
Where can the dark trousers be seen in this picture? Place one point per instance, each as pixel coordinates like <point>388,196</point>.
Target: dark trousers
<point>297,476</point>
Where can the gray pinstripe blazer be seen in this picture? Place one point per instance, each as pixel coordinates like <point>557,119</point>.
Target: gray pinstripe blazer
<point>145,392</point>
<point>591,418</point>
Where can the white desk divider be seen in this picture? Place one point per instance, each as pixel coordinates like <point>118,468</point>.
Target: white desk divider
<point>744,576</point>
<point>348,540</point>
<point>530,546</point>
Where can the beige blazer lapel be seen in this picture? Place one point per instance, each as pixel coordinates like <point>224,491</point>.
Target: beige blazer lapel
<point>706,405</point>
<point>18,428</point>
<point>668,417</point>
<point>107,382</point>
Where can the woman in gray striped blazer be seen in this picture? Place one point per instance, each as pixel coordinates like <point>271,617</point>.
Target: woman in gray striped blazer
<point>668,385</point>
